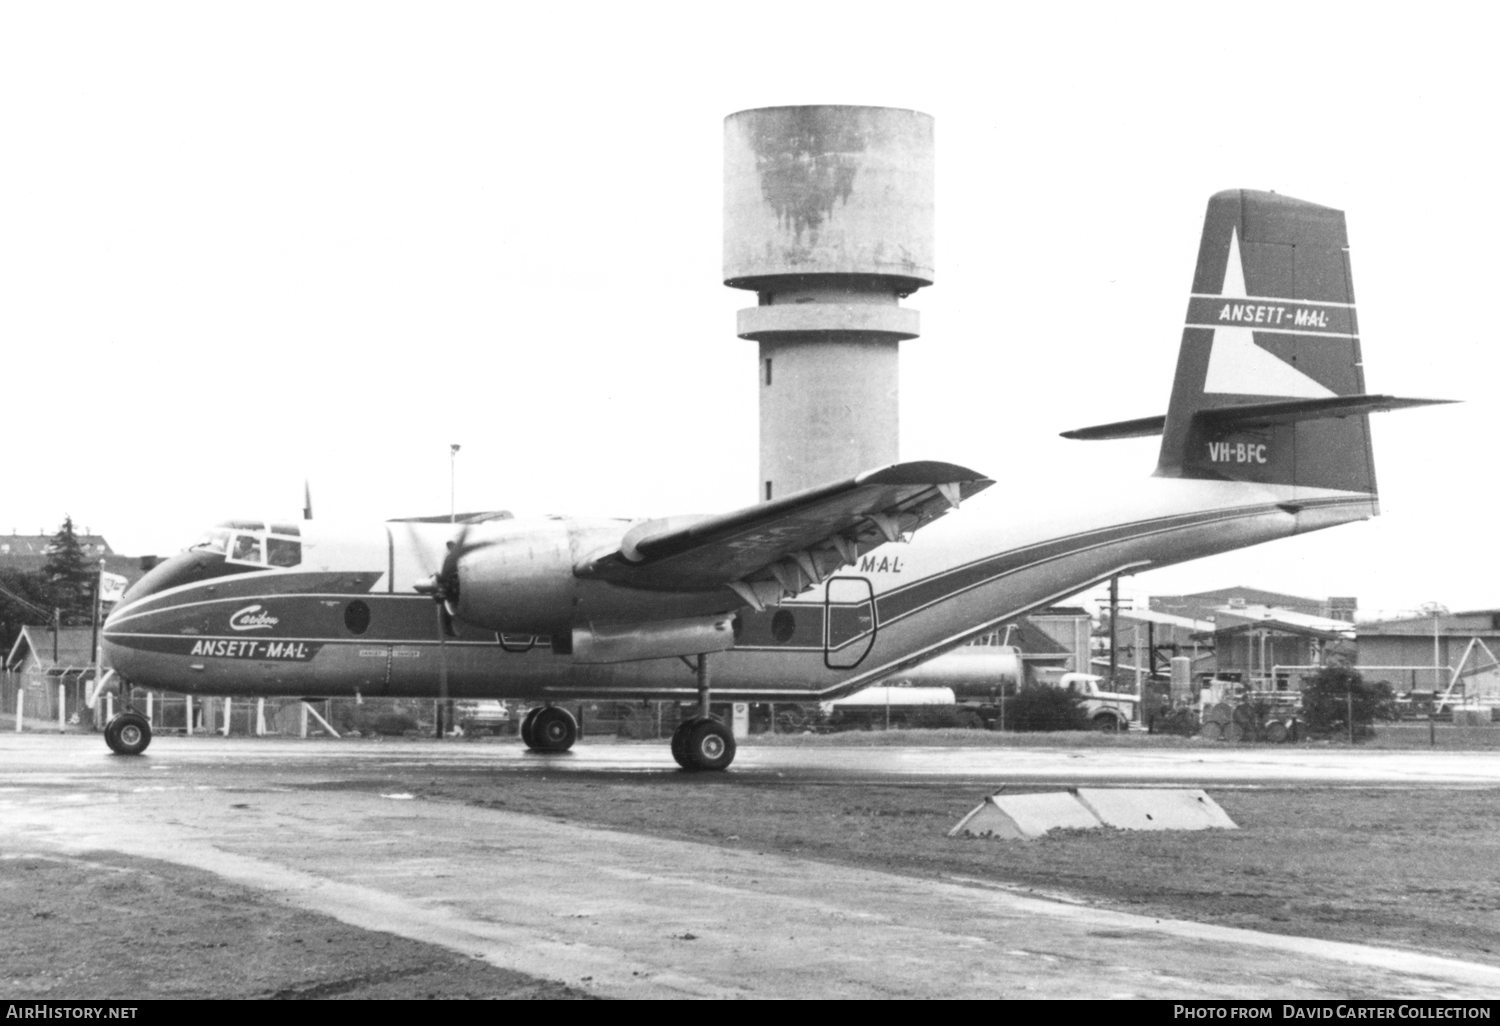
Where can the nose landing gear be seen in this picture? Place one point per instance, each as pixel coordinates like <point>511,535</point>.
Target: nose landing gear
<point>129,733</point>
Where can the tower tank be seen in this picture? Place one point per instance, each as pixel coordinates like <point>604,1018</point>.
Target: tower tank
<point>828,220</point>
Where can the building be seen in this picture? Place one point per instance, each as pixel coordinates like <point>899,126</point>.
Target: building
<point>1272,648</point>
<point>1071,628</point>
<point>1403,653</point>
<point>1201,606</point>
<point>1159,638</point>
<point>39,650</point>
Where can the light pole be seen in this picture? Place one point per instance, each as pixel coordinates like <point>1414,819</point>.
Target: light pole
<point>1435,610</point>
<point>452,476</point>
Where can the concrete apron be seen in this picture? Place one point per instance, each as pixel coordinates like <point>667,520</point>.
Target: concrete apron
<point>626,915</point>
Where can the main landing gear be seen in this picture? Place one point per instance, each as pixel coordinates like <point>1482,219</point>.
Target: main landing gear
<point>703,743</point>
<point>700,743</point>
<point>128,733</point>
<point>549,729</point>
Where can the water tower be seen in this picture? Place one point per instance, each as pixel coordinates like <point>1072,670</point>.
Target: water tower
<point>828,220</point>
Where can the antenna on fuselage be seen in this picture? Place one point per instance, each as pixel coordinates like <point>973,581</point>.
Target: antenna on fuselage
<point>306,500</point>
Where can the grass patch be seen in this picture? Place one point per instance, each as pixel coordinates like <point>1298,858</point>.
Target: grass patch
<point>1396,867</point>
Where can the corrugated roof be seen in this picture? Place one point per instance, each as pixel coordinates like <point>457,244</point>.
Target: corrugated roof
<point>1474,621</point>
<point>1166,620</point>
<point>1235,619</point>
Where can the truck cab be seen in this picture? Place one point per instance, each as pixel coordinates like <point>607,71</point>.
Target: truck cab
<point>1108,711</point>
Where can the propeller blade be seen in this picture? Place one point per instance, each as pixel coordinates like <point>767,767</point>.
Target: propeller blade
<point>442,631</point>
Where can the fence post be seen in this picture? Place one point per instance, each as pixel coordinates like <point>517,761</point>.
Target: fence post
<point>228,713</point>
<point>62,707</point>
<point>20,706</point>
<point>260,717</point>
<point>187,703</point>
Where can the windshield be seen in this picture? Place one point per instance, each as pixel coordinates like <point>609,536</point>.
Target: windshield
<point>247,541</point>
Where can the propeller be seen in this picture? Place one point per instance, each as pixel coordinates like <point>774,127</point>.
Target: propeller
<point>443,587</point>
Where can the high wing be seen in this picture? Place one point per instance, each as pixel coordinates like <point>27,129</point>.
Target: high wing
<point>784,546</point>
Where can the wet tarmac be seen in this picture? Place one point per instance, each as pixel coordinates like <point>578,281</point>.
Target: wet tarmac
<point>1220,766</point>
<point>628,915</point>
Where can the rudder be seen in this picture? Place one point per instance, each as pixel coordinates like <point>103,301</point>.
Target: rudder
<point>1269,373</point>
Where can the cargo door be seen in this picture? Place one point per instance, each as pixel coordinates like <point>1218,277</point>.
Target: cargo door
<point>849,619</point>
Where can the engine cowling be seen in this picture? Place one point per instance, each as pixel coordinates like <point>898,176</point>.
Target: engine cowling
<point>515,577</point>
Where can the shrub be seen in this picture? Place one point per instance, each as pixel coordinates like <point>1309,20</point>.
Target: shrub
<point>1183,721</point>
<point>1333,693</point>
<point>1045,708</point>
<point>940,717</point>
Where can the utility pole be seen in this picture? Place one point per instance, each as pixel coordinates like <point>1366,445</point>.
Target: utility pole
<point>452,477</point>
<point>1114,617</point>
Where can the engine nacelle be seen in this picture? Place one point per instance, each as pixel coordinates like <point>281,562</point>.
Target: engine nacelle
<point>517,577</point>
<point>659,639</point>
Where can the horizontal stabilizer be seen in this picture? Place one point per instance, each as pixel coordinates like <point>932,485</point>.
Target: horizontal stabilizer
<point>1291,411</point>
<point>1249,415</point>
<point>1141,427</point>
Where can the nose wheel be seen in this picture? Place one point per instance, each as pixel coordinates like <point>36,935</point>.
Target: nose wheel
<point>129,733</point>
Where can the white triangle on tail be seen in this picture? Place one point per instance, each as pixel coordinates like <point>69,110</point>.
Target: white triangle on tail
<point>1237,366</point>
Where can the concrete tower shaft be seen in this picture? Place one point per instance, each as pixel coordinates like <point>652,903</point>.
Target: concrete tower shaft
<point>828,219</point>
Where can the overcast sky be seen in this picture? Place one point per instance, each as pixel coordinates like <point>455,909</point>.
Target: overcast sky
<point>243,245</point>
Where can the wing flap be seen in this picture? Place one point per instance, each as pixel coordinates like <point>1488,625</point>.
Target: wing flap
<point>787,545</point>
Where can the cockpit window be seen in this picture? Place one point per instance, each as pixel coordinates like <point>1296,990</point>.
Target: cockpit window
<point>216,540</point>
<point>246,541</point>
<point>247,549</point>
<point>283,551</point>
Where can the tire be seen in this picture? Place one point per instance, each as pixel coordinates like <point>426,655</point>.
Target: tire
<point>553,730</point>
<point>1104,723</point>
<point>679,743</point>
<point>708,745</point>
<point>128,734</point>
<point>1211,731</point>
<point>526,726</point>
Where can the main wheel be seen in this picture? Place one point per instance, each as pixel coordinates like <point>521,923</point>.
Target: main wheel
<point>1106,724</point>
<point>128,734</point>
<point>526,723</point>
<point>553,730</point>
<point>679,743</point>
<point>707,745</point>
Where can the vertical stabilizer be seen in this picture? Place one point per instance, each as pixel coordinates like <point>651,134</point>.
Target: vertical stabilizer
<point>1271,319</point>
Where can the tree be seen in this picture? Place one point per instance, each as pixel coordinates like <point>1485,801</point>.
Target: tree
<point>70,577</point>
<point>1335,696</point>
<point>24,599</point>
<point>1045,708</point>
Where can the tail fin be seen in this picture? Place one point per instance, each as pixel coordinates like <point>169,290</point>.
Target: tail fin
<point>1270,387</point>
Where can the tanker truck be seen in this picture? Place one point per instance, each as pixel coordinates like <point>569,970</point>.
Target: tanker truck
<point>979,675</point>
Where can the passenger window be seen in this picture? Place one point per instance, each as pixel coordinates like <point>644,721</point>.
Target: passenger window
<point>283,552</point>
<point>247,549</point>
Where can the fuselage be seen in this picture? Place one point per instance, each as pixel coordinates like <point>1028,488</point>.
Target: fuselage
<point>329,610</point>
